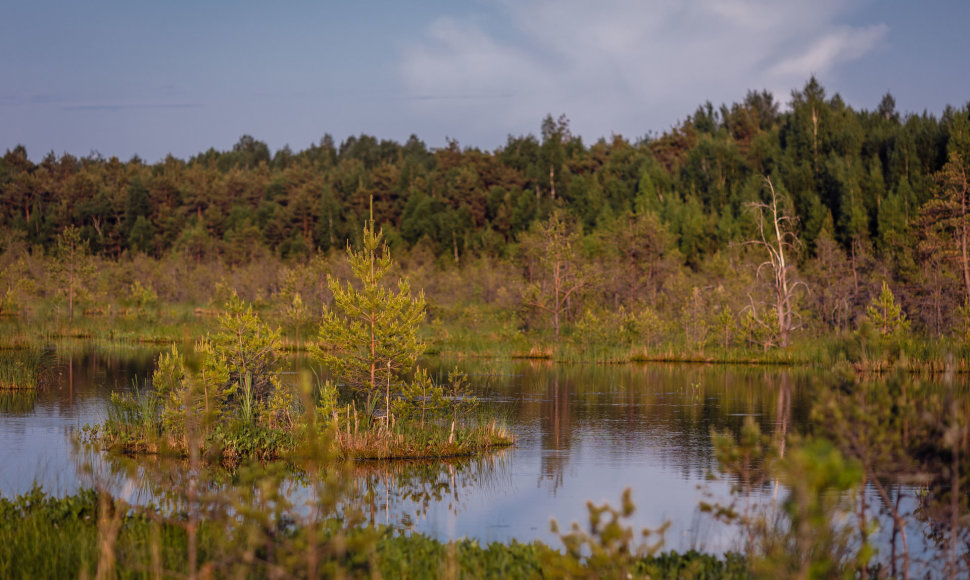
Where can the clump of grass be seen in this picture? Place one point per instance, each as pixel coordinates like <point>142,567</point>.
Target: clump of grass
<point>429,419</point>
<point>26,370</point>
<point>536,351</point>
<point>432,441</point>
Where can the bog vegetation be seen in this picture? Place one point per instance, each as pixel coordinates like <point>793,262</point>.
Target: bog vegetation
<point>229,403</point>
<point>820,234</point>
<point>743,229</point>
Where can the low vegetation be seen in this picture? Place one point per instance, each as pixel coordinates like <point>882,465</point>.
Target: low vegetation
<point>226,397</point>
<point>26,369</point>
<point>884,458</point>
<point>820,236</point>
<point>92,535</point>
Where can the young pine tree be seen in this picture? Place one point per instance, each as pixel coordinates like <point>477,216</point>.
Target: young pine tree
<point>368,337</point>
<point>71,264</point>
<point>885,314</point>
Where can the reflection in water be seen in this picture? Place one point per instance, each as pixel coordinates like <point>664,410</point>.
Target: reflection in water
<point>36,433</point>
<point>556,433</point>
<point>17,403</point>
<point>405,493</point>
<point>585,432</point>
<point>399,494</point>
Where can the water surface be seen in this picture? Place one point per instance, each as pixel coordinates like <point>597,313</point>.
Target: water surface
<point>584,433</point>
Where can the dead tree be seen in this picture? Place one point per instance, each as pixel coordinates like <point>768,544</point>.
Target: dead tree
<point>776,234</point>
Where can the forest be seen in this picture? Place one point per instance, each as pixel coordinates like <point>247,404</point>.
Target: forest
<point>264,343</point>
<point>662,237</point>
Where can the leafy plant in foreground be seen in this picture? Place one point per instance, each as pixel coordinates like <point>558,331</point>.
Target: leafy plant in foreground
<point>802,534</point>
<point>608,550</point>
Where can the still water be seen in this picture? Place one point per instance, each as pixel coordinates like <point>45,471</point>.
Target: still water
<point>584,433</point>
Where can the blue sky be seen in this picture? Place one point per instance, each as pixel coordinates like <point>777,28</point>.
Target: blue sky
<point>152,78</point>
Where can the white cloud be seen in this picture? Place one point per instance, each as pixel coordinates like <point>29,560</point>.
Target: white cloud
<point>841,45</point>
<point>624,66</point>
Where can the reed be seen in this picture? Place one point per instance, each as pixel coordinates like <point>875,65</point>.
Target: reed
<point>27,369</point>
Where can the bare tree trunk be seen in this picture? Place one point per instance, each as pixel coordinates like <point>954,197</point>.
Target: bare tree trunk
<point>70,292</point>
<point>784,312</point>
<point>963,235</point>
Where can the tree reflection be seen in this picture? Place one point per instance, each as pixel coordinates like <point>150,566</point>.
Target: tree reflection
<point>393,493</point>
<point>557,431</point>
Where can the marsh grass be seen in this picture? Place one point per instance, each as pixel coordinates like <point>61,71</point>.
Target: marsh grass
<point>27,369</point>
<point>472,333</point>
<point>146,420</point>
<point>260,535</point>
<point>411,441</point>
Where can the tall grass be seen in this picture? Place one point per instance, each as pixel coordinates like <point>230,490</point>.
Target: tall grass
<point>26,370</point>
<point>480,332</point>
<point>92,535</point>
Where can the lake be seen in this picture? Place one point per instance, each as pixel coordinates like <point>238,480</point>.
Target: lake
<point>584,432</point>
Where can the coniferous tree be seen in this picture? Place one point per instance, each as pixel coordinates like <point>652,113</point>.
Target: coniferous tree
<point>71,263</point>
<point>369,338</point>
<point>885,314</point>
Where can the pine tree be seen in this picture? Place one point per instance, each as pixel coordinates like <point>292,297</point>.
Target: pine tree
<point>369,337</point>
<point>948,214</point>
<point>71,264</point>
<point>885,314</point>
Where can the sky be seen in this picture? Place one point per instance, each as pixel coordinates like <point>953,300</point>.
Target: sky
<point>134,77</point>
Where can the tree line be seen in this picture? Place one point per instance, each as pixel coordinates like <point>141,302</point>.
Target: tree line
<point>873,195</point>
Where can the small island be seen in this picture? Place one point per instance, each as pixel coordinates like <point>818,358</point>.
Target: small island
<point>226,401</point>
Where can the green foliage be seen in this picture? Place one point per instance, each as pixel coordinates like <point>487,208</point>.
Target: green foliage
<point>876,196</point>
<point>816,545</point>
<point>609,549</point>
<point>746,461</point>
<point>759,328</point>
<point>142,296</point>
<point>245,346</point>
<point>894,429</point>
<point>421,400</point>
<point>964,316</point>
<point>369,338</point>
<point>886,315</point>
<point>249,535</point>
<point>426,401</point>
<point>228,400</point>
<point>804,537</point>
<point>27,370</point>
<point>623,327</point>
<point>560,274</point>
<point>71,264</point>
